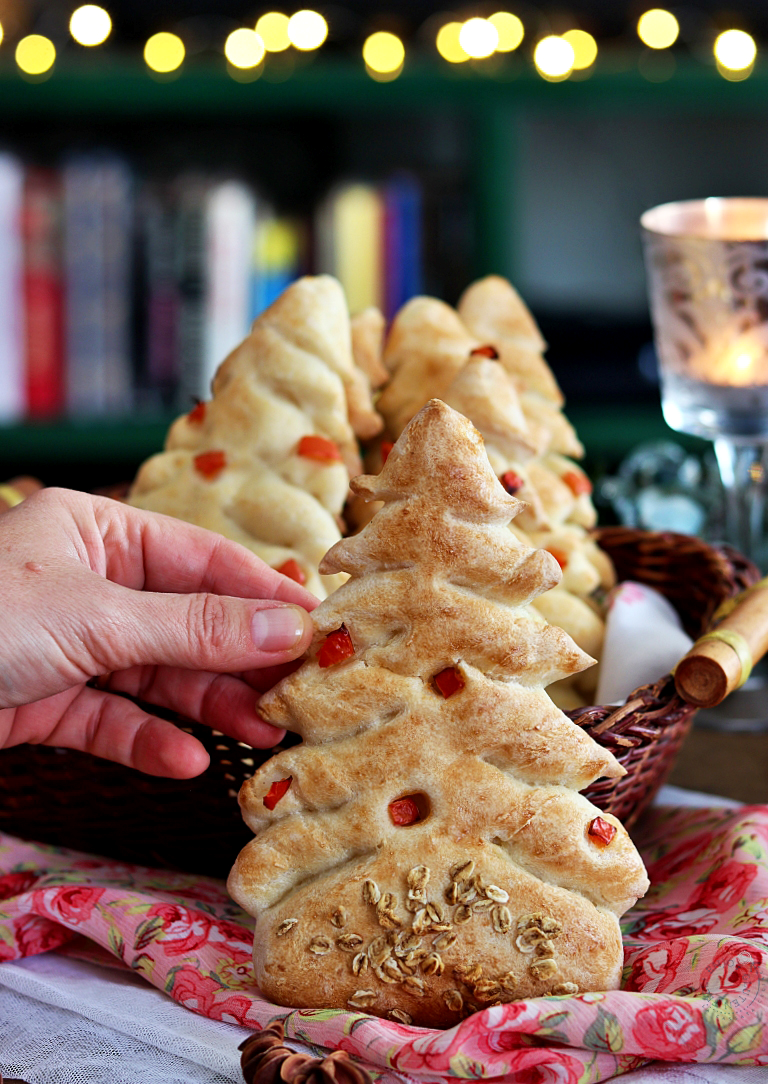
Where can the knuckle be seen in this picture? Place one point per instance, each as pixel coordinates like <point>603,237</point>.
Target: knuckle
<point>210,625</point>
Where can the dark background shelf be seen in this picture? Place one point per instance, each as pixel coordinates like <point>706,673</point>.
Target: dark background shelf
<point>465,131</point>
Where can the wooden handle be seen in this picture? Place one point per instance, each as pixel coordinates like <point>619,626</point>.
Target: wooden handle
<point>722,660</point>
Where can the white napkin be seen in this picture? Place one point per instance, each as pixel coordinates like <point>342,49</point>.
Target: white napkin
<point>644,640</point>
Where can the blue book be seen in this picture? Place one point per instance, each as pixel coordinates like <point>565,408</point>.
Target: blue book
<point>277,259</point>
<point>403,228</point>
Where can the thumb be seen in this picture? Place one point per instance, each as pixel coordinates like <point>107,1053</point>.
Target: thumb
<point>206,632</point>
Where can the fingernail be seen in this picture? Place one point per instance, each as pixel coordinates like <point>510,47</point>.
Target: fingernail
<point>278,629</point>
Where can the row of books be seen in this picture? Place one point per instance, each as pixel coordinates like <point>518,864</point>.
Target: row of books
<point>121,296</point>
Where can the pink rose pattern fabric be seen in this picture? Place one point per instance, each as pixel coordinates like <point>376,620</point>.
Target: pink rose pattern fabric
<point>695,983</point>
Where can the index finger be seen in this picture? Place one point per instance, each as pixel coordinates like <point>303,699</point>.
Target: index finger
<point>154,552</point>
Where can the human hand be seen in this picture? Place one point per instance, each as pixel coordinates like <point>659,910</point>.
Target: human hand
<point>152,607</point>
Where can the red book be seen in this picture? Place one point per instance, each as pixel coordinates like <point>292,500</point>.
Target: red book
<point>43,294</point>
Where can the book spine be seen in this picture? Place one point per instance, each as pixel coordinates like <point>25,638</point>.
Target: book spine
<point>159,364</point>
<point>117,260</point>
<point>230,219</point>
<point>84,286</point>
<point>350,230</point>
<point>43,294</point>
<point>402,242</point>
<point>277,260</point>
<point>189,244</point>
<point>12,348</point>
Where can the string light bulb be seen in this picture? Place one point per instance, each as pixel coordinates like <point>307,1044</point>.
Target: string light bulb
<point>448,44</point>
<point>307,30</point>
<point>554,57</point>
<point>244,48</point>
<point>658,28</point>
<point>164,52</point>
<point>272,28</point>
<point>35,54</point>
<point>90,25</point>
<point>510,30</point>
<point>735,51</point>
<point>584,48</point>
<point>478,38</point>
<point>384,55</point>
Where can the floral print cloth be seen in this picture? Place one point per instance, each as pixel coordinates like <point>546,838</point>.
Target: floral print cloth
<point>695,982</point>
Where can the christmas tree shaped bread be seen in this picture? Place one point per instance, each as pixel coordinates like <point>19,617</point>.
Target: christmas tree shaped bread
<point>425,851</point>
<point>431,352</point>
<point>485,394</point>
<point>427,347</point>
<point>426,350</point>
<point>368,346</point>
<point>493,310</point>
<point>267,460</point>
<point>367,349</point>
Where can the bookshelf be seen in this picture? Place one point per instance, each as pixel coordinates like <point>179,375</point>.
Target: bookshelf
<point>487,99</point>
<point>122,91</point>
<point>116,99</point>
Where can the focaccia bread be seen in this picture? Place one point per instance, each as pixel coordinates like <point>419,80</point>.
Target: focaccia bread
<point>267,460</point>
<point>425,852</point>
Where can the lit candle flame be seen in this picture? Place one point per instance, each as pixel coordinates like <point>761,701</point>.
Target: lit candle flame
<point>743,362</point>
<point>734,359</point>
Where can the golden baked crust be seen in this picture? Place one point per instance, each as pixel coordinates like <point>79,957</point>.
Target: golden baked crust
<point>491,307</point>
<point>368,346</point>
<point>292,378</point>
<point>274,518</point>
<point>427,346</point>
<point>492,310</point>
<point>497,889</point>
<point>312,314</point>
<point>432,353</point>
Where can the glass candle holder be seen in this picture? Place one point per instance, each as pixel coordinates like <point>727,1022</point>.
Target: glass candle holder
<point>707,268</point>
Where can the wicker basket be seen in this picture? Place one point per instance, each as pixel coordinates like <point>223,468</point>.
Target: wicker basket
<point>72,799</point>
<point>645,734</point>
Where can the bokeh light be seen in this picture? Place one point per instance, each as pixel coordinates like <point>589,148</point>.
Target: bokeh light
<point>510,30</point>
<point>658,28</point>
<point>448,44</point>
<point>478,38</point>
<point>384,55</point>
<point>164,52</point>
<point>90,25</point>
<point>244,48</point>
<point>584,48</point>
<point>735,50</point>
<point>307,30</point>
<point>554,57</point>
<point>35,54</point>
<point>272,28</point>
